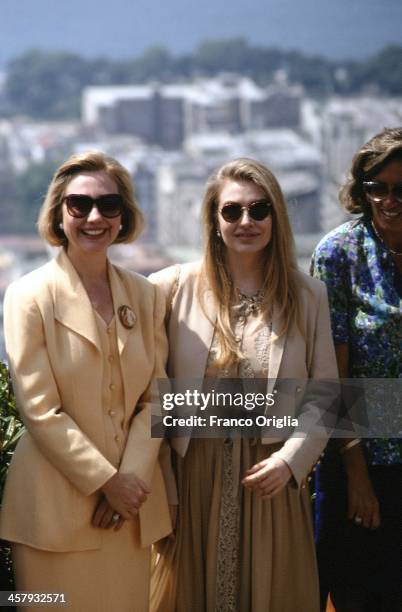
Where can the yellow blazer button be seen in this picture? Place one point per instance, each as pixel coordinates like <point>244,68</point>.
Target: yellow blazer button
<point>117,438</point>
<point>112,386</point>
<point>111,412</point>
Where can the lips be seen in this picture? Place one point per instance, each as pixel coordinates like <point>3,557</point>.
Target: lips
<point>93,233</point>
<point>391,214</point>
<point>246,235</point>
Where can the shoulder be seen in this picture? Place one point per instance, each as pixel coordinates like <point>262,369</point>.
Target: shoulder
<point>342,240</point>
<point>171,277</point>
<point>31,286</point>
<point>134,282</point>
<point>184,271</point>
<point>311,289</point>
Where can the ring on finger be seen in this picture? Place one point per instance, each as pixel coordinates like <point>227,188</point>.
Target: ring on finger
<point>115,517</point>
<point>358,520</point>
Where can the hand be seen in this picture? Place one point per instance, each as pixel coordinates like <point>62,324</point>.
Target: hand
<point>103,516</point>
<point>362,501</point>
<point>268,477</point>
<point>125,493</point>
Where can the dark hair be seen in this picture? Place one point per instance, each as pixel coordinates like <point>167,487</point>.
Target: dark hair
<point>367,163</point>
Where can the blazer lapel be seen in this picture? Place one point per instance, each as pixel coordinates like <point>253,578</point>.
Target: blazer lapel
<point>71,304</point>
<point>121,298</point>
<point>191,333</point>
<point>192,342</point>
<point>276,350</point>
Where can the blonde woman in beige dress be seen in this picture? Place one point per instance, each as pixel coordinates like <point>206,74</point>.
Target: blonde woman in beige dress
<point>244,538</point>
<point>84,497</point>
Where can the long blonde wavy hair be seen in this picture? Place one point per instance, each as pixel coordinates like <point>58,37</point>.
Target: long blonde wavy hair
<point>281,285</point>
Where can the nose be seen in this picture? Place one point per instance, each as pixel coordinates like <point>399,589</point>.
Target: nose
<point>245,218</point>
<point>389,200</point>
<point>94,214</point>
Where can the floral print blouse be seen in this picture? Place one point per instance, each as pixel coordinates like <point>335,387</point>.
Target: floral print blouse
<point>365,297</point>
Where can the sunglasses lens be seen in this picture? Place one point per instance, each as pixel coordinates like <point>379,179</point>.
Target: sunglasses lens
<point>110,205</point>
<point>256,211</point>
<point>376,191</point>
<point>259,210</point>
<point>231,212</point>
<point>397,192</point>
<point>78,206</point>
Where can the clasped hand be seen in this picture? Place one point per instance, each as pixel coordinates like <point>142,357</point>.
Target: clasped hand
<point>123,494</point>
<point>268,477</point>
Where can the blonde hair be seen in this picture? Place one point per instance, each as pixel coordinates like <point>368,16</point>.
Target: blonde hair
<point>369,161</point>
<point>280,268</point>
<point>91,161</point>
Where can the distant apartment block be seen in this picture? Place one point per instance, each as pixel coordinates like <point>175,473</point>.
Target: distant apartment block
<point>347,123</point>
<point>166,115</point>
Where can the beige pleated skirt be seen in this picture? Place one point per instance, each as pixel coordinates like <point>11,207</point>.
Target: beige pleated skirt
<point>114,578</point>
<point>234,552</point>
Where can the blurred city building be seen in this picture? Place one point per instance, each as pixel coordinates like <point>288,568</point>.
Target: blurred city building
<point>168,114</point>
<point>171,138</point>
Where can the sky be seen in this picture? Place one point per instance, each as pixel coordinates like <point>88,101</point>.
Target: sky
<point>125,28</point>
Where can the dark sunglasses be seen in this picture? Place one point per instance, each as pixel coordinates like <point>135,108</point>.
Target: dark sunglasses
<point>256,211</point>
<point>377,191</point>
<point>79,206</point>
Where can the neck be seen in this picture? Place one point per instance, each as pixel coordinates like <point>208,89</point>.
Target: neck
<point>247,271</point>
<point>391,240</point>
<point>91,269</point>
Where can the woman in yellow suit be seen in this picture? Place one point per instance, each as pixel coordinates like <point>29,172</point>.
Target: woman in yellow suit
<point>84,498</point>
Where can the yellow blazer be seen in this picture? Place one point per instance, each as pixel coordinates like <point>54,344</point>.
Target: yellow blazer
<point>55,359</point>
<point>292,355</point>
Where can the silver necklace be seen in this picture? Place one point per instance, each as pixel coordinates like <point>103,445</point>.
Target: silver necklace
<point>397,253</point>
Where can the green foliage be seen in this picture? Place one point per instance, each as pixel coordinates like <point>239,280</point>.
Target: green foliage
<point>31,190</point>
<point>11,426</point>
<point>382,72</point>
<point>11,429</point>
<point>155,64</point>
<point>48,85</point>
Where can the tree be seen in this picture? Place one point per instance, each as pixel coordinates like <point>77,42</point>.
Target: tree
<point>11,429</point>
<point>32,185</point>
<point>49,85</point>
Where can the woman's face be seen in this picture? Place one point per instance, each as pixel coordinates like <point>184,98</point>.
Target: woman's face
<point>92,233</point>
<point>245,236</point>
<point>387,214</point>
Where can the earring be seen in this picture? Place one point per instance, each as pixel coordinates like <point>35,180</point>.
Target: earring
<point>218,233</point>
<point>61,226</point>
<point>120,227</point>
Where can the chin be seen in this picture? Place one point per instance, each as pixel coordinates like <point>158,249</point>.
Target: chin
<point>93,247</point>
<point>247,250</point>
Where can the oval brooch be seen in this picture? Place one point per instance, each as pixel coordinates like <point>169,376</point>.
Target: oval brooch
<point>127,316</point>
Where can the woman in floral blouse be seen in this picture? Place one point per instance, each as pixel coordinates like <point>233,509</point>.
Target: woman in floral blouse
<point>360,545</point>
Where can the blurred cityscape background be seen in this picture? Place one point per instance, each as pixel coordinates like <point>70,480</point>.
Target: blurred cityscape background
<point>172,117</point>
